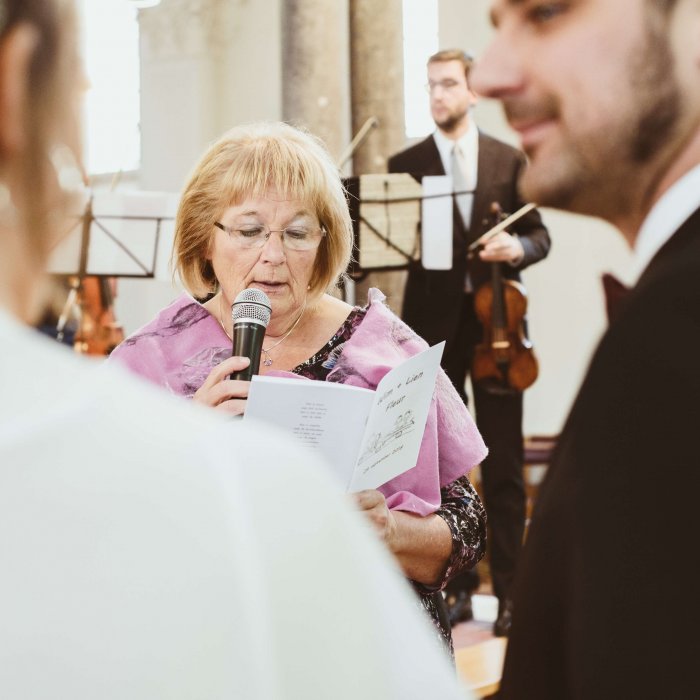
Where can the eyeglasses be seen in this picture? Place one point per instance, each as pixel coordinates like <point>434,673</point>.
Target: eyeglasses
<point>446,85</point>
<point>256,235</point>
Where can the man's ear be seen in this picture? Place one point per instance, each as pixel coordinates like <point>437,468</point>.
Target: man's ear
<point>16,51</point>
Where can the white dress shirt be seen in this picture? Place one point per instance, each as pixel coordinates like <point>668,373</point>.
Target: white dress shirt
<point>469,147</point>
<point>664,219</point>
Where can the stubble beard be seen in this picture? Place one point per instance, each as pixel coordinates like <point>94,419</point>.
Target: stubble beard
<point>452,121</point>
<point>607,171</point>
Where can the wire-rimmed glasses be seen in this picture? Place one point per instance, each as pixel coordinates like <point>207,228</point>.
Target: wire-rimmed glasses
<point>256,235</point>
<point>447,85</point>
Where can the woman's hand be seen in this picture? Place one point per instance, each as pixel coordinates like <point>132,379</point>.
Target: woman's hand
<point>373,504</point>
<point>222,393</point>
<point>421,544</point>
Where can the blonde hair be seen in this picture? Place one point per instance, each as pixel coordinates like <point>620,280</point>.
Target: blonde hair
<point>454,55</point>
<point>246,162</point>
<point>51,114</point>
<point>34,203</point>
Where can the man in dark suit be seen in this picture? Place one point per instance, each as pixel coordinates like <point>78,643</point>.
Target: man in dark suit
<point>610,121</point>
<point>439,305</point>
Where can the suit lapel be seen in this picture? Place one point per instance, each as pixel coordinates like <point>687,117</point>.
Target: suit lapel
<point>681,247</point>
<point>429,156</point>
<point>678,248</point>
<point>433,166</point>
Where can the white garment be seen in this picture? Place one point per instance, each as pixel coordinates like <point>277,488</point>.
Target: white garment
<point>665,218</point>
<point>153,550</point>
<point>469,148</point>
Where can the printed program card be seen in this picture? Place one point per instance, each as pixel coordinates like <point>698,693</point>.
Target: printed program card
<point>368,437</point>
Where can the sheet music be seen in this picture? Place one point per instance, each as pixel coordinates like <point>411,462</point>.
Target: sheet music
<point>396,421</point>
<point>324,416</point>
<point>396,222</point>
<point>436,228</point>
<point>131,234</point>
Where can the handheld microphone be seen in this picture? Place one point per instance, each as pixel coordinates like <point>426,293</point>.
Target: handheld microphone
<point>250,313</point>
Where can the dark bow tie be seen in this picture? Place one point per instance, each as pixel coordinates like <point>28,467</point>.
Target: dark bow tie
<point>615,293</point>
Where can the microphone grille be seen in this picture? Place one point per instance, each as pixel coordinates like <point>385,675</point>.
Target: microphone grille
<point>252,305</point>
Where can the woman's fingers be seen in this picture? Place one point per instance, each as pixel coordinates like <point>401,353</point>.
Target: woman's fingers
<point>367,499</point>
<point>373,504</point>
<point>234,407</point>
<point>218,388</point>
<point>223,369</point>
<point>223,391</point>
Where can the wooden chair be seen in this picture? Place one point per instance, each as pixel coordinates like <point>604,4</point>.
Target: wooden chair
<point>538,449</point>
<point>480,665</point>
<point>538,453</point>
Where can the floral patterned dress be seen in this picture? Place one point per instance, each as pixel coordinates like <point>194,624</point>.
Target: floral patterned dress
<point>181,345</point>
<point>461,508</point>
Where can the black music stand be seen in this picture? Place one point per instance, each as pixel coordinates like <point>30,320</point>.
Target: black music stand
<point>119,235</point>
<point>385,212</point>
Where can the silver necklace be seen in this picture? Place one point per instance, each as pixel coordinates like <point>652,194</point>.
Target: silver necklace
<point>221,318</point>
<point>268,360</point>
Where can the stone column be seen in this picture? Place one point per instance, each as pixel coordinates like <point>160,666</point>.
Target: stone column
<point>376,59</point>
<point>315,86</point>
<point>181,44</point>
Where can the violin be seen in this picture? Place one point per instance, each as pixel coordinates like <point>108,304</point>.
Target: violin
<point>504,362</point>
<point>99,332</point>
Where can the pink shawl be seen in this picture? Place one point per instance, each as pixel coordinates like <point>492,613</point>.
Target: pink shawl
<point>181,345</point>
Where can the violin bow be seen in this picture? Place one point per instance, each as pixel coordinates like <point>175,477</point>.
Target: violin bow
<point>486,237</point>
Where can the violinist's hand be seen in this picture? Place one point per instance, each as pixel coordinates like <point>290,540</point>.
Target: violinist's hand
<point>503,248</point>
<point>373,504</point>
<point>222,393</point>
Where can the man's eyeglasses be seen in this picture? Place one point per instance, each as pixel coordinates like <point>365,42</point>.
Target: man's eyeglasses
<point>256,235</point>
<point>446,85</point>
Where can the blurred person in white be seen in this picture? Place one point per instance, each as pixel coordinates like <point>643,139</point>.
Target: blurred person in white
<point>152,549</point>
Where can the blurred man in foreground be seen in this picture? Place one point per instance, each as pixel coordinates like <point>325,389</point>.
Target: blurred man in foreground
<point>150,550</point>
<point>606,99</point>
